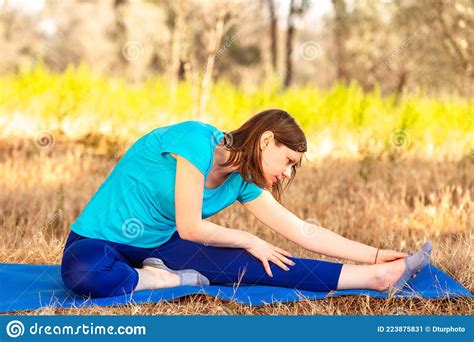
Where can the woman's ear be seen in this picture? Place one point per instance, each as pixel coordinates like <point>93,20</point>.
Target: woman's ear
<point>265,139</point>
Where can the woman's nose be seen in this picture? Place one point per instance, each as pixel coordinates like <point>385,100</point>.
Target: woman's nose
<point>287,172</point>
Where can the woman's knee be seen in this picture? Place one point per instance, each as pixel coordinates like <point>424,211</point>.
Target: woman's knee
<point>83,283</point>
<point>84,267</point>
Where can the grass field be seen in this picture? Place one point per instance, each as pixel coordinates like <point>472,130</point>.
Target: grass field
<point>396,203</point>
<point>389,171</point>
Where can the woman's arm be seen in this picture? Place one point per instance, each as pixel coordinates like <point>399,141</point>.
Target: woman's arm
<point>325,241</point>
<point>209,233</point>
<point>309,236</point>
<point>189,190</point>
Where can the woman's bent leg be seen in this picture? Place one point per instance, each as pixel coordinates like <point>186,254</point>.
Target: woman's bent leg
<point>232,265</point>
<point>94,267</point>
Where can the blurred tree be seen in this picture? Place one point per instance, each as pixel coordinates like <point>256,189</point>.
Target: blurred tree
<point>243,55</point>
<point>297,9</point>
<point>119,34</point>
<point>222,16</point>
<point>455,21</point>
<point>398,45</point>
<point>273,34</point>
<point>444,51</point>
<point>340,37</point>
<point>178,15</point>
<point>20,41</point>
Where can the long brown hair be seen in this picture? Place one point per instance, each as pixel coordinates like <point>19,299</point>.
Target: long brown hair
<point>244,145</point>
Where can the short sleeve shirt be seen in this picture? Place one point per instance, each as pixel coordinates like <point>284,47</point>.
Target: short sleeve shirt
<point>135,205</point>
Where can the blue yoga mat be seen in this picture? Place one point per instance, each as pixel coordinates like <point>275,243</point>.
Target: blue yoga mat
<point>27,287</point>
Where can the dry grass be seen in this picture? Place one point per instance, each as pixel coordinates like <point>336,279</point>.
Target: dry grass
<point>393,202</point>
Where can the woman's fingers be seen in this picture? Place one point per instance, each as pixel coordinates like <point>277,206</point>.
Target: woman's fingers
<point>274,259</point>
<point>278,262</point>
<point>266,265</point>
<point>278,257</point>
<point>285,259</point>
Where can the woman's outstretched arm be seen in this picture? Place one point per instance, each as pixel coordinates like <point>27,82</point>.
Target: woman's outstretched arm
<point>311,236</point>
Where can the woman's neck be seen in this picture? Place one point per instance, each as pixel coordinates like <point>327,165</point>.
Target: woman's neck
<point>221,156</point>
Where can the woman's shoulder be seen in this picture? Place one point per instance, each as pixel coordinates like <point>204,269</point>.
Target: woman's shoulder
<point>192,127</point>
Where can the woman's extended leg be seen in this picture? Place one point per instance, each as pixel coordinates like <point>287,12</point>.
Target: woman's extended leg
<point>233,265</point>
<point>102,268</point>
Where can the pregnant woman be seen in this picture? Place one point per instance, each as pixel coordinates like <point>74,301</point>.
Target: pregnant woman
<point>146,228</point>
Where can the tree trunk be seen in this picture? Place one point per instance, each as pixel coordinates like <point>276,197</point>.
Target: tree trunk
<point>213,46</point>
<point>176,70</point>
<point>176,51</point>
<point>340,36</point>
<point>120,34</point>
<point>289,45</point>
<point>273,35</point>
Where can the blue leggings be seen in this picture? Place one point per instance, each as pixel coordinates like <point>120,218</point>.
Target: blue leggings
<point>100,268</point>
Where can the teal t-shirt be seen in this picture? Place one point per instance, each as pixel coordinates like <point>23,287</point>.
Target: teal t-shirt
<point>135,205</point>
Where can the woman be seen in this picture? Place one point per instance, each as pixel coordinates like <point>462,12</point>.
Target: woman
<point>145,227</point>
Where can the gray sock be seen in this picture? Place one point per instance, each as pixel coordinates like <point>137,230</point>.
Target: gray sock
<point>413,264</point>
<point>427,247</point>
<point>186,277</point>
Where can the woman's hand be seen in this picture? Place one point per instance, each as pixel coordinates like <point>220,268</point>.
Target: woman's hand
<point>266,252</point>
<point>387,255</point>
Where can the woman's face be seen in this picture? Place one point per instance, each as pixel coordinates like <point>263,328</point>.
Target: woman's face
<point>277,160</point>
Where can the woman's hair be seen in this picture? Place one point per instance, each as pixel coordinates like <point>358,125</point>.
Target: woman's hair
<point>244,145</point>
